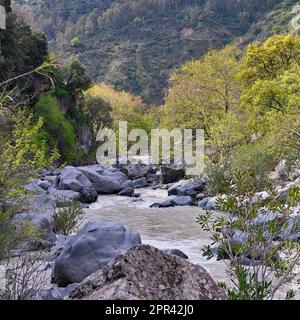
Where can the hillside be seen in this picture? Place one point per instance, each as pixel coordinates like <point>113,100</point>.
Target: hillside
<point>135,44</point>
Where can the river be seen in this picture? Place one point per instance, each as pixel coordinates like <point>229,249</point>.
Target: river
<point>163,228</point>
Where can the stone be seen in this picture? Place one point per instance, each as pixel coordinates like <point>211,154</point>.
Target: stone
<point>192,188</point>
<point>95,245</point>
<point>146,273</point>
<point>46,237</point>
<point>140,183</point>
<point>177,253</point>
<point>127,192</point>
<point>183,201</point>
<point>63,195</point>
<point>172,174</point>
<point>136,171</point>
<point>172,188</point>
<point>74,180</point>
<point>164,204</point>
<point>35,188</point>
<point>56,293</point>
<point>203,203</point>
<point>212,203</point>
<point>105,181</point>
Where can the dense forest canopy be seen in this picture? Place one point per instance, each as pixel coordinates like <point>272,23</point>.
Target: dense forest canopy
<point>135,45</point>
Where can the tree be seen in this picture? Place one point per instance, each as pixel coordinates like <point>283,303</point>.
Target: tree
<point>98,113</point>
<point>77,78</point>
<point>203,90</point>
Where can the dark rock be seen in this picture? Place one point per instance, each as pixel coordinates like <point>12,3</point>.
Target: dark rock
<point>146,273</point>
<point>173,187</point>
<point>155,205</point>
<point>137,171</point>
<point>140,183</point>
<point>128,191</point>
<point>177,253</point>
<point>91,249</point>
<point>35,188</point>
<point>191,188</point>
<point>202,204</point>
<point>74,180</point>
<point>183,201</point>
<point>63,195</point>
<point>172,174</point>
<point>105,181</point>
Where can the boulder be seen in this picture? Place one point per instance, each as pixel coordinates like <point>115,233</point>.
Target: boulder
<point>146,273</point>
<point>44,224</point>
<point>164,204</point>
<point>128,189</point>
<point>105,181</point>
<point>63,195</point>
<point>140,183</point>
<point>183,201</point>
<point>192,188</point>
<point>91,249</point>
<point>35,188</point>
<point>40,203</point>
<point>203,203</point>
<point>212,203</point>
<point>172,174</point>
<point>74,180</point>
<point>288,171</point>
<point>136,171</point>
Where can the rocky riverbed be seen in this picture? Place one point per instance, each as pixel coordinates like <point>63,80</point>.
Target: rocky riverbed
<point>124,209</point>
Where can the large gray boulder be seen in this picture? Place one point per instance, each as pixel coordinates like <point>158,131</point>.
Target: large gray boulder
<point>91,249</point>
<point>74,180</point>
<point>146,273</point>
<point>105,181</point>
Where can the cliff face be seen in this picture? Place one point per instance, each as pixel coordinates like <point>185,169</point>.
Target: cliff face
<point>135,44</point>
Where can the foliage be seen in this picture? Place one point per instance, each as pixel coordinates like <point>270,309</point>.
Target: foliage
<point>203,90</point>
<point>60,132</point>
<point>98,112</point>
<point>125,107</point>
<point>68,217</point>
<point>140,59</point>
<point>257,238</point>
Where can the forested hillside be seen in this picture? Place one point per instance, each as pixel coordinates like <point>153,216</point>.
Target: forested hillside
<point>135,44</point>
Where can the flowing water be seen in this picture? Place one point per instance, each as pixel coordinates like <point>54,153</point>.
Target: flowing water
<point>164,228</point>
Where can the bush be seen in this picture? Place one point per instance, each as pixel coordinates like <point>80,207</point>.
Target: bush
<point>258,241</point>
<point>60,131</point>
<point>68,217</point>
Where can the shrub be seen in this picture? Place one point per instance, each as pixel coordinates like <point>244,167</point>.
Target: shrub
<point>68,217</point>
<point>60,131</point>
<point>258,240</point>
